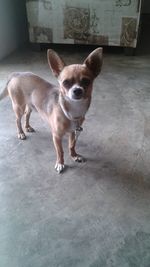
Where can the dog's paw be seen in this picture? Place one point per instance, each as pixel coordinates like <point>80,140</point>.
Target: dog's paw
<point>59,167</point>
<point>21,136</point>
<point>78,158</point>
<point>29,129</point>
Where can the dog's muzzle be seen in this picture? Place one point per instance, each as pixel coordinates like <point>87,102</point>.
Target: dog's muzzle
<point>77,93</point>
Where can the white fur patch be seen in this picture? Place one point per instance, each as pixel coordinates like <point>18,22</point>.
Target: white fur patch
<point>76,108</point>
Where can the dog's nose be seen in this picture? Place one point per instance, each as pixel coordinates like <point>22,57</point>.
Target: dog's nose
<point>78,92</point>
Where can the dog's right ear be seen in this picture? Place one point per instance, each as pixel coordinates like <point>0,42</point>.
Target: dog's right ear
<point>55,62</point>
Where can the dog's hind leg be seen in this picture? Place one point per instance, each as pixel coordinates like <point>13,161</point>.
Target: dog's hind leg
<point>19,111</point>
<point>28,128</point>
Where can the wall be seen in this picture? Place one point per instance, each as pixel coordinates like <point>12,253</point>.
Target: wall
<point>13,26</point>
<point>98,22</point>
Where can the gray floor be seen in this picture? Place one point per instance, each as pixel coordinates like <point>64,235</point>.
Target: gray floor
<point>97,213</point>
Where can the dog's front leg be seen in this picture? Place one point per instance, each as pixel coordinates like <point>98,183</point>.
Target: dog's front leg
<point>72,151</point>
<point>59,166</point>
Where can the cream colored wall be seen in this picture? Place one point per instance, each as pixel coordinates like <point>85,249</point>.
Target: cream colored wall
<point>98,22</point>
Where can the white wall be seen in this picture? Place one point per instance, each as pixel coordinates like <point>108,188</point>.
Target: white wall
<point>13,26</point>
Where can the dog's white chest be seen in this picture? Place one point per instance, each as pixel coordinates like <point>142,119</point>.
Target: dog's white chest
<point>77,109</point>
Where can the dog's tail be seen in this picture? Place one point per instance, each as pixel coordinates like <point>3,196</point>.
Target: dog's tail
<point>4,93</point>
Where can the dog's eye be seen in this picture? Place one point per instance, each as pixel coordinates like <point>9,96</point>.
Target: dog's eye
<point>85,82</point>
<point>67,83</point>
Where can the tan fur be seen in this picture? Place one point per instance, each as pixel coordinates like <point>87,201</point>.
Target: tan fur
<point>58,106</point>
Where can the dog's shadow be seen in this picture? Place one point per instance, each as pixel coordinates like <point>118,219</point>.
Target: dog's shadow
<point>116,168</point>
<point>113,166</point>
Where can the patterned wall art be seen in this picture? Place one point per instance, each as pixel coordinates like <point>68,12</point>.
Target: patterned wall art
<point>95,40</point>
<point>98,39</point>
<point>76,23</point>
<point>46,3</point>
<point>94,21</point>
<point>98,22</point>
<point>41,35</point>
<point>128,35</point>
<point>123,3</point>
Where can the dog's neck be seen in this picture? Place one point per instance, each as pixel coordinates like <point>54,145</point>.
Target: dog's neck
<point>74,110</point>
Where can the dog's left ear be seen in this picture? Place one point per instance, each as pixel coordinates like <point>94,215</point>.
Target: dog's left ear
<point>56,64</point>
<point>94,61</point>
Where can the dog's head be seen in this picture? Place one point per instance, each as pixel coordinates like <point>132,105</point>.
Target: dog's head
<point>76,80</point>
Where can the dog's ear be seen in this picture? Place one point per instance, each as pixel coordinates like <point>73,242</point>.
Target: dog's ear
<point>56,64</point>
<point>94,61</point>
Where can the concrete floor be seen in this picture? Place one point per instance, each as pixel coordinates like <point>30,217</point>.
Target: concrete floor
<point>97,213</point>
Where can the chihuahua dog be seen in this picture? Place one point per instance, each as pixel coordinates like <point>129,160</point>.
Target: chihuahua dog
<point>63,106</point>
